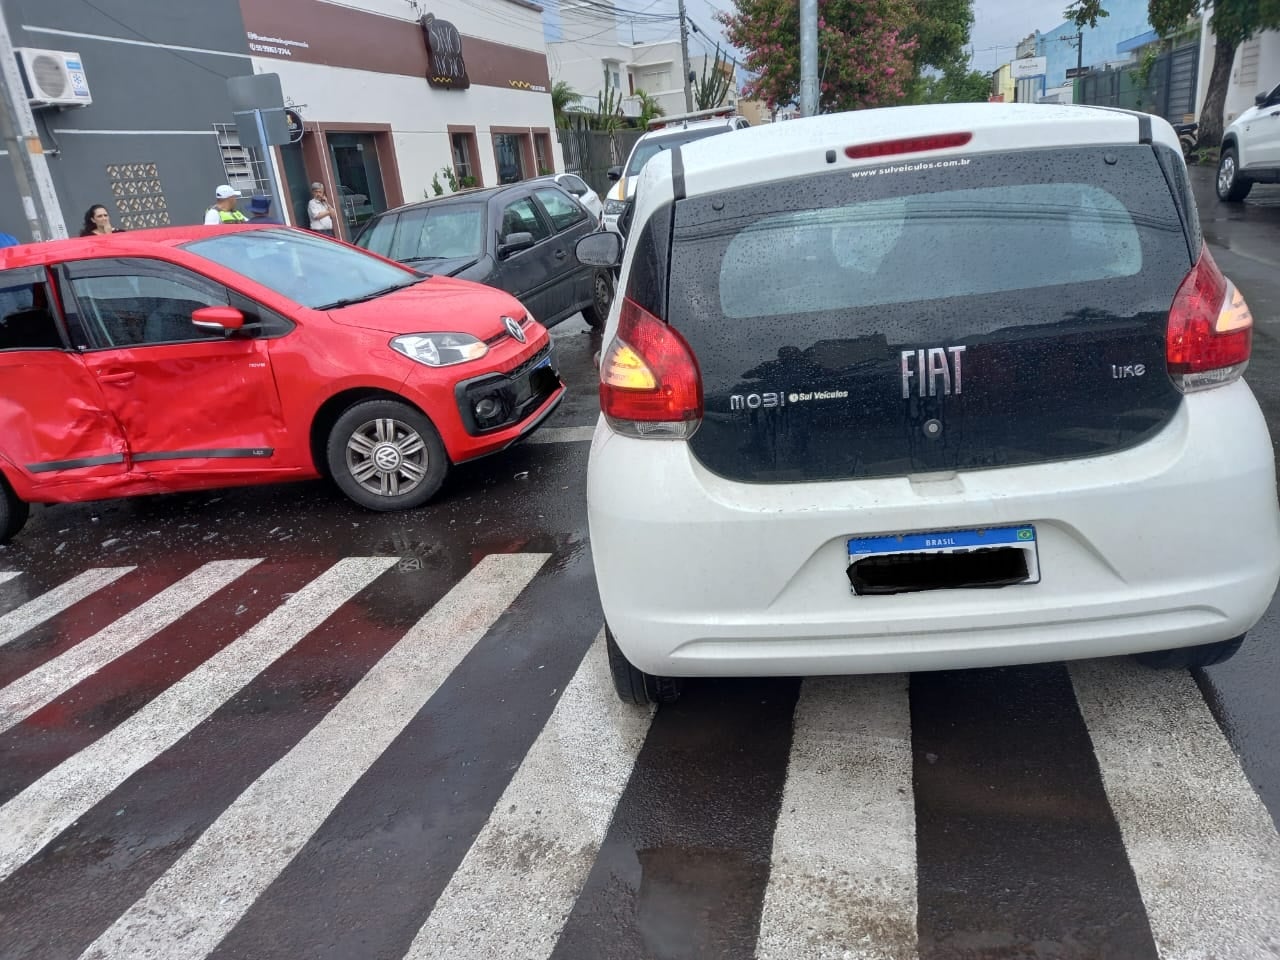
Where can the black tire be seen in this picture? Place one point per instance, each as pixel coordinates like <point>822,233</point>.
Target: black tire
<point>597,314</point>
<point>634,685</point>
<point>13,512</point>
<point>1185,658</point>
<point>1231,186</point>
<point>389,453</point>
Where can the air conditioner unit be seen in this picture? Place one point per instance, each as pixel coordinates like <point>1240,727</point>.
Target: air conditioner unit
<point>54,78</point>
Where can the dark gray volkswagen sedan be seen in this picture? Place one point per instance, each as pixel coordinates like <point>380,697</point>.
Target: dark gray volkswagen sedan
<point>519,238</point>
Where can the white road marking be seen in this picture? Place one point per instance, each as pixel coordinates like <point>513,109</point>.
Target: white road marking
<point>28,694</point>
<point>1202,846</point>
<point>842,881</point>
<point>8,575</point>
<point>561,435</point>
<point>37,815</point>
<point>527,866</point>
<point>188,911</point>
<point>48,605</point>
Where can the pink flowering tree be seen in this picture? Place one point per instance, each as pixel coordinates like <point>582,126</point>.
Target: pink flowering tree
<point>865,53</point>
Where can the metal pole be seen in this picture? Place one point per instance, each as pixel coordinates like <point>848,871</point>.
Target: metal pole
<point>26,153</point>
<point>684,52</point>
<point>268,161</point>
<point>808,58</point>
<point>1079,51</point>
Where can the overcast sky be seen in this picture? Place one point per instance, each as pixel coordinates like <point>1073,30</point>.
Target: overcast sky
<point>1002,23</point>
<point>998,24</point>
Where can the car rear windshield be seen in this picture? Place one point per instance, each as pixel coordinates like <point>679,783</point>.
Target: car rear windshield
<point>648,149</point>
<point>926,232</point>
<point>309,270</point>
<point>931,245</point>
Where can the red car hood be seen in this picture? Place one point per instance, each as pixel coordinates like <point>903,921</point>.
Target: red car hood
<point>440,305</point>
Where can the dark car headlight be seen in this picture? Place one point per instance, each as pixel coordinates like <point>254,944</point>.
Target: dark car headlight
<point>615,208</point>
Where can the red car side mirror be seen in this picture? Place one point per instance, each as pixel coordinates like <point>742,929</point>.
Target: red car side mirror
<point>218,318</point>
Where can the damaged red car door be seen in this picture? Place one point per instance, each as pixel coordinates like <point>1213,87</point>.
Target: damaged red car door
<point>193,401</point>
<point>58,436</point>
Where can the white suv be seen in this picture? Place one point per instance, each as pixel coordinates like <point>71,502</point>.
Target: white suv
<point>1251,149</point>
<point>665,133</point>
<point>925,388</point>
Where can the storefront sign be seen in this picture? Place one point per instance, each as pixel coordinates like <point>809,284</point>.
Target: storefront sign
<point>1029,67</point>
<point>307,31</point>
<point>447,69</point>
<point>294,121</point>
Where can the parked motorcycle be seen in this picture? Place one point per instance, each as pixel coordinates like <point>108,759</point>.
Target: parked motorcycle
<point>1188,136</point>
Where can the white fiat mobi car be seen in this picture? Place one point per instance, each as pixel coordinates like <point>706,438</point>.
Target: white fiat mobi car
<point>925,388</point>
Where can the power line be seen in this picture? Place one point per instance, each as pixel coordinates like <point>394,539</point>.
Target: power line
<point>606,9</point>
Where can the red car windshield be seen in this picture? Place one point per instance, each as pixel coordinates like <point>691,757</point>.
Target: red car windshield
<point>312,271</point>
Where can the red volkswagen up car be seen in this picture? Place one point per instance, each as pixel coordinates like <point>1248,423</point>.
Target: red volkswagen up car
<point>197,357</point>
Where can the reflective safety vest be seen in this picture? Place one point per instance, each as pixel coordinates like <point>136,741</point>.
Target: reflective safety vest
<point>231,216</point>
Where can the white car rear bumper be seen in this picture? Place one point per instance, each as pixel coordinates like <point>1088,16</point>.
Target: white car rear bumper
<point>1173,543</point>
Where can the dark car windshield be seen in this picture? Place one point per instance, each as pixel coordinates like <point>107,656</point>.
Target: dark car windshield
<point>644,152</point>
<point>444,232</point>
<point>309,270</point>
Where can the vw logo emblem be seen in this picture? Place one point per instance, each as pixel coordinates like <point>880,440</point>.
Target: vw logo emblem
<point>513,328</point>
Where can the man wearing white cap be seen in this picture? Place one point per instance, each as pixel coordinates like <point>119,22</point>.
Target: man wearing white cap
<point>224,209</point>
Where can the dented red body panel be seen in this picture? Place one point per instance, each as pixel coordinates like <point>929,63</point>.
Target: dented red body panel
<point>100,423</point>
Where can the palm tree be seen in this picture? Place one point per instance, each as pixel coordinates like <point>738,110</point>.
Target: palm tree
<point>563,96</point>
<point>649,107</point>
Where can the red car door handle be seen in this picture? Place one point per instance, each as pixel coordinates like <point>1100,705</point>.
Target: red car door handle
<point>125,376</point>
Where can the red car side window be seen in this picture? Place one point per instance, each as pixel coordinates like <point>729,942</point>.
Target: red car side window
<point>27,319</point>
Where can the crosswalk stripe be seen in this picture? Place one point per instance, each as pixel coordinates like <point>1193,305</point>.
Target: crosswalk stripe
<point>843,876</point>
<point>202,896</point>
<point>7,575</point>
<point>51,804</point>
<point>530,860</point>
<point>31,692</point>
<point>48,605</point>
<point>1202,845</point>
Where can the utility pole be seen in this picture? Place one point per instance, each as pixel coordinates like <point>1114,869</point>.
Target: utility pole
<point>684,53</point>
<point>26,153</point>
<point>1079,50</point>
<point>808,58</point>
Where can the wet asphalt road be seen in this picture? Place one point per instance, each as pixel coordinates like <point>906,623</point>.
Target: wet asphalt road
<point>275,726</point>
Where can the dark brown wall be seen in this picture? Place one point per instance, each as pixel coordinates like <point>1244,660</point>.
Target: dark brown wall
<point>340,37</point>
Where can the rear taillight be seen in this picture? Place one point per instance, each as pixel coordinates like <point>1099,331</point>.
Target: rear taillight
<point>1210,333</point>
<point>889,148</point>
<point>650,384</point>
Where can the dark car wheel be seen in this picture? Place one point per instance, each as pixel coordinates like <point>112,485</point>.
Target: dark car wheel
<point>597,314</point>
<point>13,512</point>
<point>1232,187</point>
<point>634,685</point>
<point>385,455</point>
<point>1184,658</point>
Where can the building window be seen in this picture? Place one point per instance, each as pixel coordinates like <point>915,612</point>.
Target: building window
<point>542,153</point>
<point>462,164</point>
<point>466,156</point>
<point>512,152</point>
